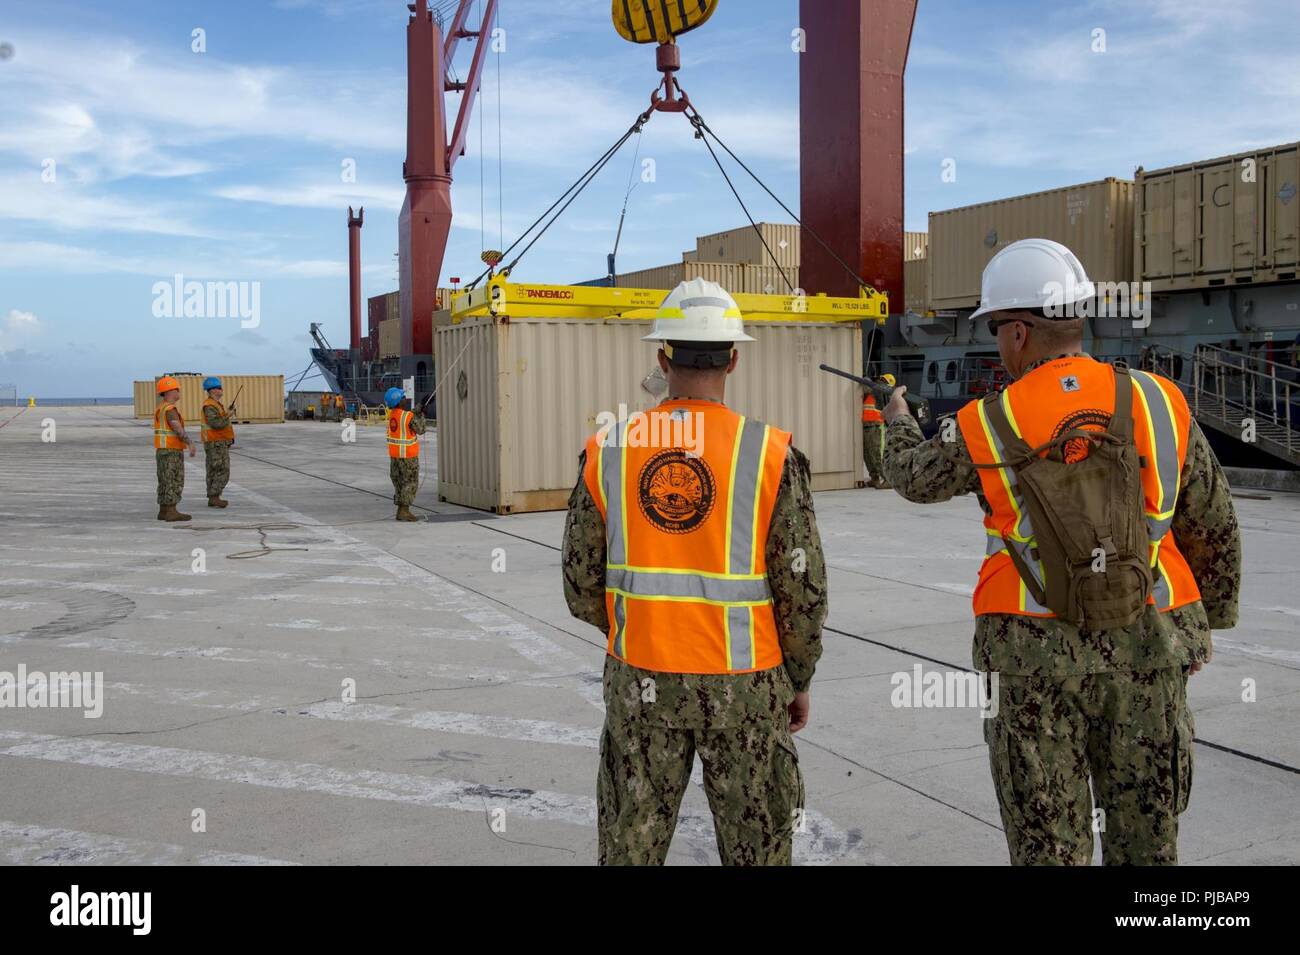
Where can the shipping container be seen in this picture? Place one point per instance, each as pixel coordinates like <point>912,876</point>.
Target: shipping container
<point>914,297</point>
<point>390,338</point>
<point>743,245</point>
<point>261,398</point>
<point>733,276</point>
<point>1226,221</point>
<point>915,245</point>
<point>691,255</point>
<point>521,398</point>
<point>1094,219</point>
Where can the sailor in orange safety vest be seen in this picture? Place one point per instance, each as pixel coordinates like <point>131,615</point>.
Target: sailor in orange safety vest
<point>1088,730</point>
<point>692,545</point>
<point>170,442</point>
<point>404,428</point>
<point>218,436</point>
<point>873,437</point>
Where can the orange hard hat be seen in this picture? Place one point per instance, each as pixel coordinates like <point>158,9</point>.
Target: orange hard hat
<point>167,383</point>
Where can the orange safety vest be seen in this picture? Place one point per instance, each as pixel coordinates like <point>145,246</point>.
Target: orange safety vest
<point>685,537</point>
<point>164,438</point>
<point>403,442</point>
<point>216,434</point>
<point>1068,393</point>
<point>870,413</point>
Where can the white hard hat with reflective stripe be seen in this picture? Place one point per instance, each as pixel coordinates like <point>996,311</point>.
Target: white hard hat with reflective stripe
<point>698,311</point>
<point>1033,273</point>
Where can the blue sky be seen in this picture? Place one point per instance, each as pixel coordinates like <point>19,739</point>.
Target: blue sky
<point>226,165</point>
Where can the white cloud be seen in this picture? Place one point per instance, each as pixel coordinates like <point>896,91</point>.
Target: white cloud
<point>17,327</point>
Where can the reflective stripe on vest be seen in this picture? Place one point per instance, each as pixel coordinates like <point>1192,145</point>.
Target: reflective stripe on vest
<point>1021,536</point>
<point>216,434</point>
<point>403,442</point>
<point>1163,436</point>
<point>721,605</point>
<point>164,438</point>
<point>1161,423</point>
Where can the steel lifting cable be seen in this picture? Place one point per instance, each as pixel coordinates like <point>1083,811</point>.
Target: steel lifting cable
<point>745,209</point>
<point>698,122</point>
<point>580,184</point>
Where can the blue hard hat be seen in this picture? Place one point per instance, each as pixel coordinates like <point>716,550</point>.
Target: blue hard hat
<point>210,383</point>
<point>393,397</point>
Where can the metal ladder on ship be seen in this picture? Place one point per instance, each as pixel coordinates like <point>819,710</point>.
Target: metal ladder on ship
<point>1238,394</point>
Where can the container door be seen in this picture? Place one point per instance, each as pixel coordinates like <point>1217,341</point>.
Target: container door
<point>1157,224</point>
<point>1217,218</point>
<point>1280,201</point>
<point>1245,218</point>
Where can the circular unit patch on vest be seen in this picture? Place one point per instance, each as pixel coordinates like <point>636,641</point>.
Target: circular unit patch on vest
<point>676,491</point>
<point>1088,419</point>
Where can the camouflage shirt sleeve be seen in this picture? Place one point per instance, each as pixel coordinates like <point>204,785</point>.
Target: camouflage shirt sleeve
<point>418,424</point>
<point>796,571</point>
<point>927,472</point>
<point>582,557</point>
<point>174,422</point>
<point>1205,527</point>
<point>214,419</point>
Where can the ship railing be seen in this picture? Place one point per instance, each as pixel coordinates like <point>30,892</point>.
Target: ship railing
<point>1248,390</point>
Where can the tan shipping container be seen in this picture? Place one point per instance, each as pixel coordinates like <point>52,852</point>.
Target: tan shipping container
<point>517,405</point>
<point>914,289</point>
<point>733,276</point>
<point>392,307</point>
<point>1226,221</point>
<point>915,245</point>
<point>743,245</point>
<point>690,255</point>
<point>390,338</point>
<point>1094,219</point>
<point>261,398</point>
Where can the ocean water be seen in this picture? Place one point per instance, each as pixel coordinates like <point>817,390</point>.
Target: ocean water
<point>51,402</point>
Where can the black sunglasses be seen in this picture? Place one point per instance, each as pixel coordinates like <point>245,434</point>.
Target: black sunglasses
<point>996,323</point>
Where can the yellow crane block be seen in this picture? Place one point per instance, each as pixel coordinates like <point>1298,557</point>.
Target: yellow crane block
<point>501,298</point>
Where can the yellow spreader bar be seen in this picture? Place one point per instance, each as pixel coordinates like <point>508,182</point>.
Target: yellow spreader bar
<point>502,299</point>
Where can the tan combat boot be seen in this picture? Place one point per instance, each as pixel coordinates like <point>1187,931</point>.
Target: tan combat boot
<point>168,512</point>
<point>217,501</point>
<point>404,514</point>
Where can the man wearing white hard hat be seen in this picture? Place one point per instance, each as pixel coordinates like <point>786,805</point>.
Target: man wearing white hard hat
<point>1111,551</point>
<point>701,562</point>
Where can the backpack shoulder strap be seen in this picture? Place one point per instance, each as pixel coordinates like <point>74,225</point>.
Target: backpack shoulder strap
<point>1121,422</point>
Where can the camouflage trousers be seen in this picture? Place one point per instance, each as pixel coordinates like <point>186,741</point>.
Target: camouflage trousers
<point>216,458</point>
<point>751,778</point>
<point>171,476</point>
<point>1130,732</point>
<point>873,450</point>
<point>405,475</point>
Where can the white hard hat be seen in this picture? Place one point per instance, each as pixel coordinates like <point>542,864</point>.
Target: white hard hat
<point>698,311</point>
<point>1034,273</point>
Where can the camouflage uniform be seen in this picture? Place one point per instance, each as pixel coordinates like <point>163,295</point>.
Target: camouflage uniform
<point>171,476</point>
<point>405,472</point>
<point>216,454</point>
<point>1074,703</point>
<point>873,449</point>
<point>655,722</point>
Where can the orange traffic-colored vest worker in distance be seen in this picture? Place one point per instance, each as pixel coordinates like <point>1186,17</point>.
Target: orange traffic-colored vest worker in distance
<point>403,442</point>
<point>686,576</point>
<point>870,412</point>
<point>217,434</point>
<point>1069,393</point>
<point>164,438</point>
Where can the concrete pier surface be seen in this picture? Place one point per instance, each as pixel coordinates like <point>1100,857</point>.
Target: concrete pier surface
<point>225,735</point>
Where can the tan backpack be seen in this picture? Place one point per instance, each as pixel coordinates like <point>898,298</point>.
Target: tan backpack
<point>1088,517</point>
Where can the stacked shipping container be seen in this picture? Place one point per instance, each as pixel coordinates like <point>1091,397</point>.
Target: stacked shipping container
<point>1225,221</point>
<point>261,397</point>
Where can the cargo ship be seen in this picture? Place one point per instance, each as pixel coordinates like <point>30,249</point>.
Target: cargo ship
<point>1196,270</point>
